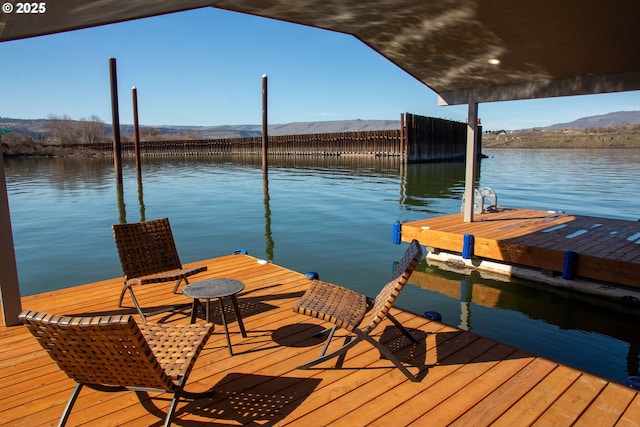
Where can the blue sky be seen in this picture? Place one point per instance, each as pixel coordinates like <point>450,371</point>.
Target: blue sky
<point>205,67</point>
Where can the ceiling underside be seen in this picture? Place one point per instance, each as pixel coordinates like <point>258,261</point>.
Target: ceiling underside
<point>545,48</point>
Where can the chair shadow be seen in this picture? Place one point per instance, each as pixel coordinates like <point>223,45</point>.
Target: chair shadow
<point>308,335</point>
<point>245,399</point>
<point>248,306</point>
<point>433,348</point>
<point>183,310</point>
<point>403,348</point>
<point>299,335</point>
<point>462,347</point>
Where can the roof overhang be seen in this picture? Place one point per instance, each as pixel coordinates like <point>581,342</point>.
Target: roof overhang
<point>464,50</point>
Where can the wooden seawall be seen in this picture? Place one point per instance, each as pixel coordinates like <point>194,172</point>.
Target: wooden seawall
<point>374,143</point>
<point>430,139</point>
<point>418,139</point>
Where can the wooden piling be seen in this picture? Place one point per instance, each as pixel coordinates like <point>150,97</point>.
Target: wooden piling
<point>265,136</point>
<point>117,147</point>
<point>136,134</point>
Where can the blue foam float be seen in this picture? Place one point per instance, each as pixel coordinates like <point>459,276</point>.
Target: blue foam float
<point>633,382</point>
<point>397,233</point>
<point>432,315</point>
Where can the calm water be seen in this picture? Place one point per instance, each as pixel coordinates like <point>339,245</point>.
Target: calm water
<point>334,216</point>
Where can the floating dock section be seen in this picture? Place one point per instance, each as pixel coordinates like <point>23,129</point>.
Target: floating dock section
<point>537,245</point>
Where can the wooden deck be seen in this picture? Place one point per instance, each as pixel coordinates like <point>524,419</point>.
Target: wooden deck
<point>467,380</point>
<point>608,250</point>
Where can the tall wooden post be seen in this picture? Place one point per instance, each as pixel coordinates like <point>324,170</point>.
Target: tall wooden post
<point>136,149</point>
<point>471,162</point>
<point>9,286</point>
<point>136,134</point>
<point>115,122</point>
<point>265,136</point>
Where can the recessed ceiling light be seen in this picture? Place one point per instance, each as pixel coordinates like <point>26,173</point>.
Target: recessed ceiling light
<point>494,61</point>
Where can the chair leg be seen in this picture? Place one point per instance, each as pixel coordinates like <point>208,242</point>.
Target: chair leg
<point>172,409</point>
<point>124,289</point>
<point>360,336</point>
<point>180,392</point>
<point>328,340</point>
<point>139,309</point>
<point>324,331</point>
<point>387,354</point>
<point>175,288</point>
<point>402,328</point>
<point>323,357</point>
<point>135,302</point>
<point>70,402</point>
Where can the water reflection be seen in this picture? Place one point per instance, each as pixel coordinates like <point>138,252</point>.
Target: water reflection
<point>427,183</point>
<point>64,174</point>
<point>547,321</point>
<point>143,216</point>
<point>269,246</point>
<point>419,187</point>
<point>122,209</point>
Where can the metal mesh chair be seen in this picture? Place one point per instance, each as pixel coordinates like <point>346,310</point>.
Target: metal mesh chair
<point>114,353</point>
<point>148,254</point>
<point>347,309</point>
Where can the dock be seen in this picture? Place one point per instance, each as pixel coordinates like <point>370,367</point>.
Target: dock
<point>555,244</point>
<point>466,379</point>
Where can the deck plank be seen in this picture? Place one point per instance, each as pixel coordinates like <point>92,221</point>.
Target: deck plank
<point>500,399</point>
<point>607,408</point>
<point>538,399</point>
<point>467,379</point>
<point>631,415</point>
<point>468,397</point>
<point>570,405</point>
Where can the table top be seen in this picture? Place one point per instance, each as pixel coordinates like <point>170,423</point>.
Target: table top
<point>213,288</point>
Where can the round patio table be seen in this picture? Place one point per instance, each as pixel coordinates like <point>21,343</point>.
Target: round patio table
<point>216,288</point>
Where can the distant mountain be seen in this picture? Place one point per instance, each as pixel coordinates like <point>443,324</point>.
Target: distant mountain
<point>605,120</point>
<point>33,128</point>
<point>333,126</point>
<point>298,128</point>
<point>38,127</point>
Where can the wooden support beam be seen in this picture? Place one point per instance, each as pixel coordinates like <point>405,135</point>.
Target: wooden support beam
<point>471,162</point>
<point>9,286</point>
